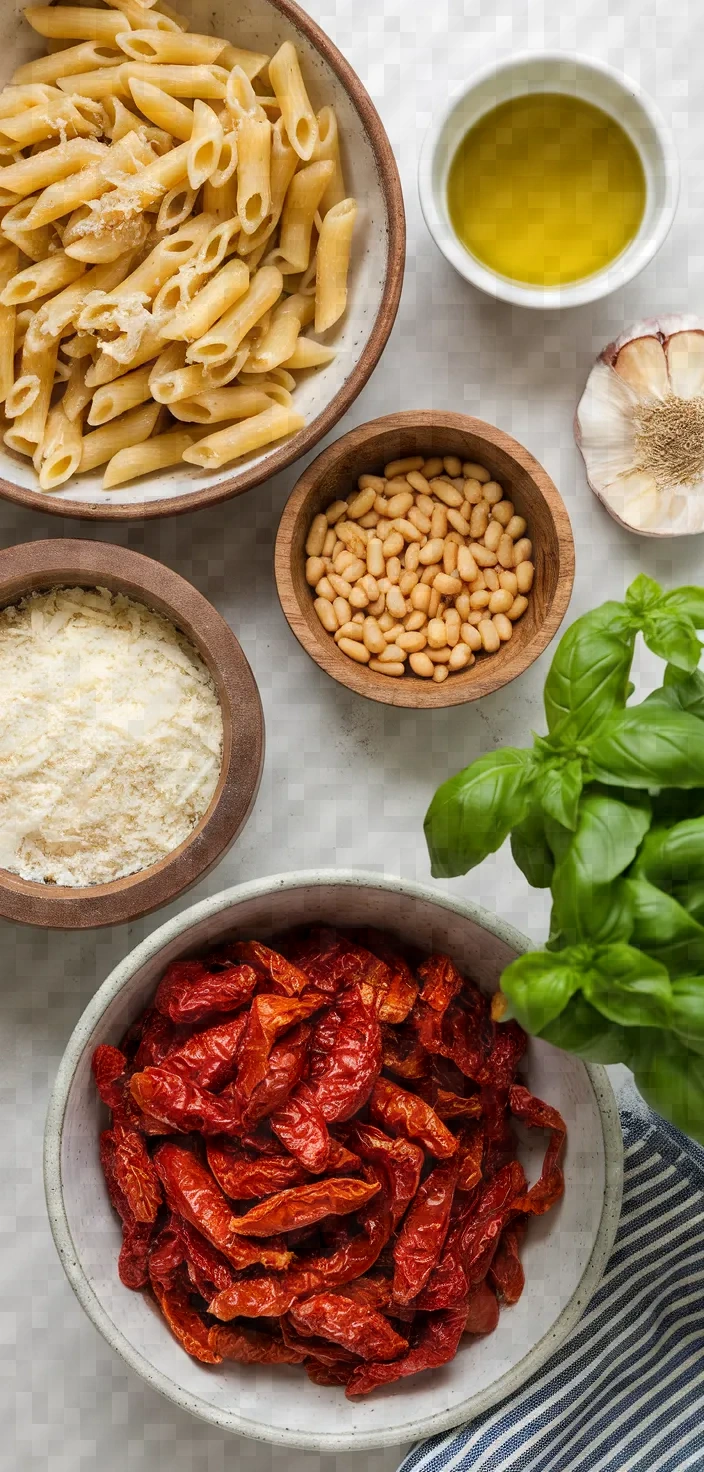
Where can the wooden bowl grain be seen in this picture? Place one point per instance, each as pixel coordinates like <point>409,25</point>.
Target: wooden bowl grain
<point>430,432</point>
<point>376,273</point>
<point>34,566</point>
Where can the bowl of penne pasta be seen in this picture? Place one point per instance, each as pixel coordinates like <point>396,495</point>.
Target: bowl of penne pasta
<point>201,251</point>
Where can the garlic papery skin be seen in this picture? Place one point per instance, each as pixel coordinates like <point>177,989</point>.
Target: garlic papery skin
<point>640,427</point>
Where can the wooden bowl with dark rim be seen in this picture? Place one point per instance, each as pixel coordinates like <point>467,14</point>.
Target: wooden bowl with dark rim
<point>376,275</point>
<point>429,432</point>
<point>36,566</point>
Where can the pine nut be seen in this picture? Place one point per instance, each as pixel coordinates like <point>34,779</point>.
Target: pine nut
<point>411,642</point>
<point>385,621</point>
<point>375,557</point>
<point>383,585</point>
<point>394,544</point>
<point>358,598</point>
<point>449,495</point>
<point>400,504</point>
<point>399,467</point>
<point>432,552</point>
<point>471,636</point>
<point>476,616</point>
<point>326,614</point>
<point>434,603</point>
<point>438,522</point>
<point>353,537</point>
<point>449,587</point>
<point>524,576</point>
<point>348,631</point>
<point>471,471</point>
<point>316,536</point>
<point>341,587</point>
<point>522,551</point>
<point>370,586</point>
<point>386,669</point>
<point>361,503</point>
<point>453,464</point>
<point>493,535</point>
<point>440,673</point>
<point>343,560</point>
<point>396,603</point>
<point>439,656</point>
<point>409,532</point>
<point>503,511</point>
<point>421,665</point>
<point>355,569</point>
<point>472,495</point>
<point>377,608</point>
<point>393,569</point>
<point>315,570</point>
<point>358,619</point>
<point>373,637</point>
<point>392,634</point>
<point>381,504</point>
<point>509,580</point>
<point>337,549</point>
<point>329,543</point>
<point>416,479</point>
<point>518,607</point>
<point>500,602</point>
<point>415,621</point>
<point>461,657</point>
<point>462,605</point>
<point>419,521</point>
<point>324,589</point>
<point>449,556</point>
<point>372,482</point>
<point>433,467</point>
<point>343,611</point>
<point>429,574</point>
<point>458,521</point>
<point>334,512</point>
<point>466,566</point>
<point>452,634</point>
<point>516,527</point>
<point>407,582</point>
<point>503,626</point>
<point>369,521</point>
<point>437,633</point>
<point>491,639</point>
<point>411,556</point>
<point>491,579</point>
<point>479,600</point>
<point>355,650</point>
<point>420,597</point>
<point>393,654</point>
<point>478,521</point>
<point>425,504</point>
<point>493,493</point>
<point>505,551</point>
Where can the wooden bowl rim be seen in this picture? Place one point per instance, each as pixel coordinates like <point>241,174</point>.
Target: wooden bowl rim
<point>292,449</point>
<point>411,691</point>
<point>31,566</point>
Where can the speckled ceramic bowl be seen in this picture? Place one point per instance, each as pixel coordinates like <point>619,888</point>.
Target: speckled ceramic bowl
<point>564,1254</point>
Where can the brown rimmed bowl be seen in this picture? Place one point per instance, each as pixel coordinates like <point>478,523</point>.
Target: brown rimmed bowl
<point>430,432</point>
<point>37,566</point>
<point>376,273</point>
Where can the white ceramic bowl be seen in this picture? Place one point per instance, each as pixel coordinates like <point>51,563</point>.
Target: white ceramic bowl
<point>376,271</point>
<point>564,1253</point>
<point>578,76</point>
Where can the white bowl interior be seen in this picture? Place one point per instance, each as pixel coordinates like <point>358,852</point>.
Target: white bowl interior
<point>280,1404</point>
<point>593,83</point>
<point>256,25</point>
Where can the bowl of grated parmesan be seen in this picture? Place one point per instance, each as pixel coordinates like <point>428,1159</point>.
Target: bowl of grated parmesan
<point>132,739</point>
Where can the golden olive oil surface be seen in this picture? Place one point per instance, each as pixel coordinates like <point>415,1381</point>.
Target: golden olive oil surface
<point>546,189</point>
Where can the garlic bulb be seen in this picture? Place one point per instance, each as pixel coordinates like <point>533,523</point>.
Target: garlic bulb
<point>640,427</point>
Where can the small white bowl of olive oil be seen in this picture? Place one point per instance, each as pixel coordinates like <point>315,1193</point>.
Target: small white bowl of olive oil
<point>549,181</point>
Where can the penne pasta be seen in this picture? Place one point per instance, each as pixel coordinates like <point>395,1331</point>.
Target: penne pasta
<point>16,99</point>
<point>225,336</point>
<point>210,303</point>
<point>244,438</point>
<point>175,208</point>
<point>41,279</point>
<point>278,343</point>
<point>250,62</point>
<point>178,81</point>
<point>170,47</point>
<point>334,248</point>
<point>68,194</point>
<point>107,367</point>
<point>204,145</point>
<point>59,454</point>
<point>253,172</point>
<point>328,147</point>
<point>167,112</point>
<point>8,266</point>
<point>27,431</point>
<point>302,200</point>
<point>308,354</point>
<point>299,119</point>
<point>54,164</point>
<point>75,23</point>
<point>171,358</point>
<point>145,459</point>
<point>88,56</point>
<point>130,429</point>
<point>67,117</point>
<point>220,200</point>
<point>212,406</point>
<point>227,162</point>
<point>77,396</point>
<point>32,243</point>
<point>119,397</point>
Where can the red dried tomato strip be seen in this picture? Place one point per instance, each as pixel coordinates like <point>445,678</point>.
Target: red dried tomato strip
<point>407,1114</point>
<point>208,1058</point>
<point>320,1351</point>
<point>508,1047</point>
<point>269,1017</point>
<point>447,1284</point>
<point>186,1323</point>
<point>448,1105</point>
<point>422,1236</point>
<point>441,982</point>
<point>471,1155</point>
<point>287,1064</point>
<point>403,1054</point>
<point>506,1271</point>
<point>207,1268</point>
<point>192,1193</point>
<point>282,973</point>
<point>480,1238</point>
<point>159,1035</point>
<point>190,991</point>
<point>184,1106</point>
<point>482,1310</point>
<point>166,1254</point>
<point>434,1342</point>
<point>358,1328</point>
<point>301,1128</point>
<point>372,1291</point>
<point>303,1205</point>
<point>251,1347</point>
<point>135,1174</point>
<point>354,1060</point>
<point>402,1160</point>
<point>253,1298</point>
<point>538,1115</point>
<point>109,1066</point>
<point>249,1177</point>
<point>132,1263</point>
<point>328,1374</point>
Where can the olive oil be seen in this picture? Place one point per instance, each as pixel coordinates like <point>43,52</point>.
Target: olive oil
<point>546,189</point>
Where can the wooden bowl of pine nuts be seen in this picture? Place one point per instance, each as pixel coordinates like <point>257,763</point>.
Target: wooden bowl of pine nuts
<point>425,559</point>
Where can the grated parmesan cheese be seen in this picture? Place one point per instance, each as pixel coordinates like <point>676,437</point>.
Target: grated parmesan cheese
<point>111,738</point>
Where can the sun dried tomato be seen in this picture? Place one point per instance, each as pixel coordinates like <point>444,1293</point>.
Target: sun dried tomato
<point>159,1035</point>
<point>185,1323</point>
<point>183,1106</point>
<point>448,1105</point>
<point>434,1341</point>
<point>403,1054</point>
<point>499,1139</point>
<point>192,1192</point>
<point>301,1128</point>
<point>447,1284</point>
<point>422,1236</point>
<point>540,1116</point>
<point>251,1347</point>
<point>302,1205</point>
<point>402,1160</point>
<point>506,1271</point>
<point>355,1255</point>
<point>372,1290</point>
<point>166,1254</point>
<point>135,1174</point>
<point>358,1328</point>
<point>109,1066</point>
<point>441,982</point>
<point>249,1177</point>
<point>354,1060</point>
<point>207,1268</point>
<point>471,1155</point>
<point>508,1047</point>
<point>253,1298</point>
<point>482,1310</point>
<point>137,1236</point>
<point>341,1161</point>
<point>328,1374</point>
<point>323,1352</point>
<point>190,991</point>
<point>208,1058</point>
<point>269,1017</point>
<point>481,1235</point>
<point>286,1066</point>
<point>270,964</point>
<point>407,1114</point>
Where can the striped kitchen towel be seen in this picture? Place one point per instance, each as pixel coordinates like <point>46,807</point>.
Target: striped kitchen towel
<point>625,1392</point>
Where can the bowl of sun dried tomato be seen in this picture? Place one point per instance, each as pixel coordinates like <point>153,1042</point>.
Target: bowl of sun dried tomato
<point>303,1183</point>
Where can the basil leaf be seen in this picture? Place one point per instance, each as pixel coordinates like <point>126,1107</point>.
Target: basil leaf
<point>538,986</point>
<point>664,930</point>
<point>598,913</point>
<point>688,1011</point>
<point>687,691</point>
<point>558,790</point>
<point>559,838</point>
<point>673,637</point>
<point>671,1079</point>
<point>643,595</point>
<point>691,898</point>
<point>471,814</point>
<point>588,677</point>
<point>687,601</point>
<point>649,746</point>
<point>531,851</point>
<point>582,1030</point>
<point>629,988</point>
<point>674,855</point>
<point>608,836</point>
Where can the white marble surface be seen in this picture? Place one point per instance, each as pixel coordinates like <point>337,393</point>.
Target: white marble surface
<point>345,781</point>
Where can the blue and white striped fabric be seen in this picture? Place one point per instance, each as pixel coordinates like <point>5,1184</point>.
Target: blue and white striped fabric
<point>625,1393</point>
